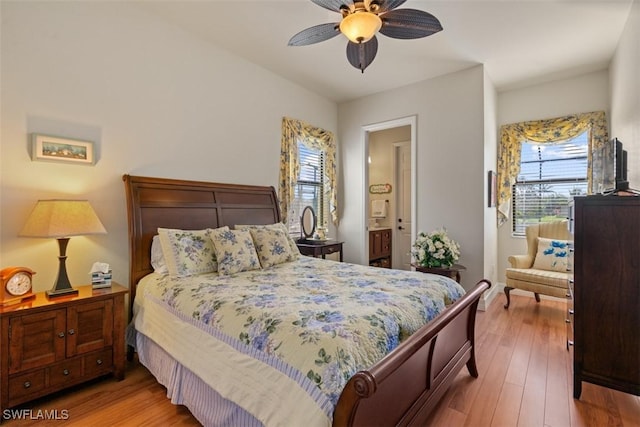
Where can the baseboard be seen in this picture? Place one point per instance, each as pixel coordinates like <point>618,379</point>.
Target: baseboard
<point>489,296</point>
<point>498,288</point>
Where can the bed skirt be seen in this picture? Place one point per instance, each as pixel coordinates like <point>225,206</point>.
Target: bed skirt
<point>186,388</point>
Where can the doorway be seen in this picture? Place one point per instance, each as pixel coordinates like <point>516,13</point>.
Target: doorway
<point>390,157</point>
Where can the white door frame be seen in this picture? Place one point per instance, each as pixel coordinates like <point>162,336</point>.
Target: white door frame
<point>366,130</point>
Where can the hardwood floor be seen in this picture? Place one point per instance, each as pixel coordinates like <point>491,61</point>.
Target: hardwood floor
<point>525,380</point>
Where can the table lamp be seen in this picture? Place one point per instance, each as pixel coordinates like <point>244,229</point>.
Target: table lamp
<point>62,219</point>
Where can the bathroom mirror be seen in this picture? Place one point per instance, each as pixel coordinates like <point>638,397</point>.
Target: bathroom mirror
<point>308,222</point>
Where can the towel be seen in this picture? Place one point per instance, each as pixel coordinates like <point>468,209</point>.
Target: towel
<point>378,208</point>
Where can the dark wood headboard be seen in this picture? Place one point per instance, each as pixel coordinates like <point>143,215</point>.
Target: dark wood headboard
<point>188,205</point>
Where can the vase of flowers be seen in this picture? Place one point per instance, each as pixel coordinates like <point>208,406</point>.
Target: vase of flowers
<point>435,249</point>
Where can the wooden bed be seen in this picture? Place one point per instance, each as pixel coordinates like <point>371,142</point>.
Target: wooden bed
<point>401,389</point>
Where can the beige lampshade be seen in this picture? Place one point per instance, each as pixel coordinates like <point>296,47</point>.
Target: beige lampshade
<point>62,218</point>
<point>360,27</point>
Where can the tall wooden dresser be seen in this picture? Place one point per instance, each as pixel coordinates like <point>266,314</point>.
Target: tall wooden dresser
<point>607,292</point>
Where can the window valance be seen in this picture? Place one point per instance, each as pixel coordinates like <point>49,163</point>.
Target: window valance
<point>544,131</point>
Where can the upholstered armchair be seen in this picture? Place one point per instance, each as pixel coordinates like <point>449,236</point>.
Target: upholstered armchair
<point>544,269</point>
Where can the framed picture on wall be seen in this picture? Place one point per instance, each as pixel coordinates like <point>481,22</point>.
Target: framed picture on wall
<point>57,149</point>
<point>491,189</point>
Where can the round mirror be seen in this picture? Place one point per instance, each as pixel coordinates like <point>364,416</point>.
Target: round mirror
<point>308,222</point>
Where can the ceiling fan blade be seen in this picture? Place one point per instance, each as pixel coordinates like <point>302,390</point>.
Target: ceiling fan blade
<point>315,34</point>
<point>333,5</point>
<point>361,55</point>
<point>387,5</point>
<point>409,24</point>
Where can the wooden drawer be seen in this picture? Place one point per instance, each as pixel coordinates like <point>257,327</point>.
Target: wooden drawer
<point>64,372</point>
<point>98,363</point>
<point>24,385</point>
<point>331,249</point>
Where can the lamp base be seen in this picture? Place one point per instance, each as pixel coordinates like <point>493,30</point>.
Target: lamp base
<point>54,293</point>
<point>62,286</point>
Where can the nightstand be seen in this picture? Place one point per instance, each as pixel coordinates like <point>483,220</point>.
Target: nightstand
<point>452,272</point>
<point>50,344</point>
<point>319,248</point>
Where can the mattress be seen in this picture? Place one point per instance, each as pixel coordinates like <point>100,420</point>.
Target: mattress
<point>289,336</point>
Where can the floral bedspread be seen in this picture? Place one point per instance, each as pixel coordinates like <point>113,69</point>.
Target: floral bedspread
<point>319,319</point>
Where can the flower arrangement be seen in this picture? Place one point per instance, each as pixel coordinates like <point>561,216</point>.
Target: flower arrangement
<point>435,249</point>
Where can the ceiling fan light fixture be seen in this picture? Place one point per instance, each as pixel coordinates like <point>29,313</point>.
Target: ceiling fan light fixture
<point>360,26</point>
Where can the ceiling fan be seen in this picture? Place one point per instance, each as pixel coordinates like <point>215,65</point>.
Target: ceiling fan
<point>361,20</point>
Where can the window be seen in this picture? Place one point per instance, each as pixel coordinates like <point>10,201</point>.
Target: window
<point>307,173</point>
<point>309,189</point>
<point>551,174</point>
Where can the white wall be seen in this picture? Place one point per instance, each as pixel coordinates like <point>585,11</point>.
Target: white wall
<point>450,172</point>
<point>156,100</point>
<point>490,164</point>
<point>581,94</point>
<point>625,94</point>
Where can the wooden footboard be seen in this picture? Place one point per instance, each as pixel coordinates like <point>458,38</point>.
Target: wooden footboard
<point>404,387</point>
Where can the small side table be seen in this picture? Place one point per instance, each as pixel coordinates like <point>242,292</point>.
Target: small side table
<point>452,272</point>
<point>322,249</point>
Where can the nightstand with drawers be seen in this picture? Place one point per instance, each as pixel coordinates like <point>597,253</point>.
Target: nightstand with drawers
<point>319,248</point>
<point>50,344</point>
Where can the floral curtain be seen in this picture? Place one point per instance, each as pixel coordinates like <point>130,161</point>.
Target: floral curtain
<point>318,139</point>
<point>544,131</point>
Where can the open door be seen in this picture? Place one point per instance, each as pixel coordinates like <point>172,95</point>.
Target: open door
<point>403,219</point>
<point>400,139</point>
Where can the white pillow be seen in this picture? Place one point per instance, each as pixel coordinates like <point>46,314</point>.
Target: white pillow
<point>188,252</point>
<point>553,255</point>
<point>157,258</point>
<point>235,251</point>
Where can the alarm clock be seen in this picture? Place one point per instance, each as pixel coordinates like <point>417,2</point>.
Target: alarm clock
<point>15,285</point>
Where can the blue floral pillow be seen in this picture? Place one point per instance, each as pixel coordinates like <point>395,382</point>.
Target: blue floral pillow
<point>187,252</point>
<point>553,255</point>
<point>235,251</point>
<point>277,226</point>
<point>272,246</point>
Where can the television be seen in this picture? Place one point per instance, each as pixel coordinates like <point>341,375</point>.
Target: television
<point>620,166</point>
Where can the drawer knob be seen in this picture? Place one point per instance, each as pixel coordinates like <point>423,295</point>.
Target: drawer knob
<point>60,334</point>
<point>72,331</point>
<point>65,372</point>
<point>99,362</point>
<point>27,384</point>
<point>570,311</point>
<point>567,320</point>
<point>569,343</point>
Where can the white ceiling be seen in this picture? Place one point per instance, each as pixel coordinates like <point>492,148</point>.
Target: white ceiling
<point>520,42</point>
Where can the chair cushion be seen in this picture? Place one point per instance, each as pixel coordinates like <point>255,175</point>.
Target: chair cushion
<point>554,279</point>
<point>553,254</point>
